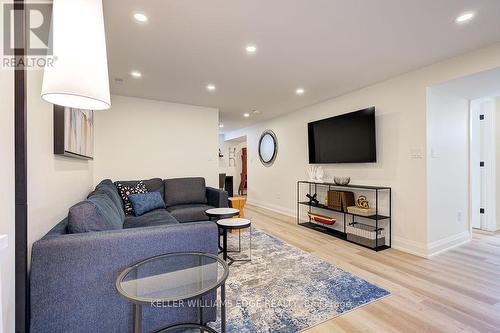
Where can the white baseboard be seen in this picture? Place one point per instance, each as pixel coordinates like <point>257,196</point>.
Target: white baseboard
<point>409,246</point>
<point>401,244</point>
<point>273,208</point>
<point>432,249</point>
<point>448,243</point>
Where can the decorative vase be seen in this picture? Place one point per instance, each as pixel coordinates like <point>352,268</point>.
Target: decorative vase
<point>319,174</point>
<point>311,172</point>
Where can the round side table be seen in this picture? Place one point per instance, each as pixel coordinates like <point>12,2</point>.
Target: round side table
<point>222,213</point>
<point>234,224</point>
<point>216,214</point>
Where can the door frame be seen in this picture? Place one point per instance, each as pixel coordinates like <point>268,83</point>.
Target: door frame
<point>478,107</point>
<point>21,189</point>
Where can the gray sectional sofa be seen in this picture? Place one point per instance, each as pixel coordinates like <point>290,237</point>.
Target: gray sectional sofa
<point>72,275</point>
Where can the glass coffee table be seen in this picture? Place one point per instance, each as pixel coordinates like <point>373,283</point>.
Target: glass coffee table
<point>166,280</point>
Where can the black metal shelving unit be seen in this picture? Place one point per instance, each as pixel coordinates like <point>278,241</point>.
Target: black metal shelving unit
<point>377,223</point>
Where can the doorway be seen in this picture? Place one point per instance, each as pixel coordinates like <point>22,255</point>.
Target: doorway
<point>462,143</point>
<point>233,165</point>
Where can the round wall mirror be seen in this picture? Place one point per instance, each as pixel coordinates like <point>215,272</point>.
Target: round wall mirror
<point>268,148</point>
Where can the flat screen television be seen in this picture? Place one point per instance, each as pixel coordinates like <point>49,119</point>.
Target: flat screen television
<point>348,138</point>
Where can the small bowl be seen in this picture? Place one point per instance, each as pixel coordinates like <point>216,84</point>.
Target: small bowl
<point>342,180</point>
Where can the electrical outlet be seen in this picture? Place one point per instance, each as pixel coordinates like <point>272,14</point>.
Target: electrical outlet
<point>459,216</point>
<point>278,195</point>
<point>416,154</point>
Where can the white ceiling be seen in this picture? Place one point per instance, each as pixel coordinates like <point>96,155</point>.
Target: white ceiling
<point>329,47</point>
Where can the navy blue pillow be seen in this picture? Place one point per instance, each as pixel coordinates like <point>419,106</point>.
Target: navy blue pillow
<point>146,202</point>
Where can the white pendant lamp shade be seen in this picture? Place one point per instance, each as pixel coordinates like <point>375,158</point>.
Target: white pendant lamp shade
<point>79,75</point>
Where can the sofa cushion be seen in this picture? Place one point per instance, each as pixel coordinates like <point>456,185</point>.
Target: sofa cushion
<point>154,218</point>
<point>107,187</point>
<point>189,213</point>
<point>97,213</point>
<point>125,191</point>
<point>182,191</point>
<point>152,185</point>
<point>146,202</point>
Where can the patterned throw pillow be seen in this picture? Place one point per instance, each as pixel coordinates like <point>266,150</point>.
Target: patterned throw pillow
<point>125,191</point>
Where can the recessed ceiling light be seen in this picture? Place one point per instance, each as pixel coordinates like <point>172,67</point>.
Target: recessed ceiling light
<point>221,125</point>
<point>210,87</point>
<point>256,112</point>
<point>140,17</point>
<point>465,17</point>
<point>246,115</point>
<point>251,49</point>
<point>300,91</point>
<point>136,74</point>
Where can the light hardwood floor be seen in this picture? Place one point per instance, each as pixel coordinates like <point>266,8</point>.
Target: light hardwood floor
<point>457,291</point>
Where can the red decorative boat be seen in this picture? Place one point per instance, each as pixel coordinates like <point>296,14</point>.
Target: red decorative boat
<point>322,219</point>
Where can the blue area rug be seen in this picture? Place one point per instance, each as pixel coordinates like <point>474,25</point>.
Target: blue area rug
<point>284,289</point>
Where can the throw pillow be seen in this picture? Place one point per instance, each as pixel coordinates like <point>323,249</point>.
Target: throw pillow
<point>98,213</point>
<point>146,202</point>
<point>108,188</point>
<point>125,191</point>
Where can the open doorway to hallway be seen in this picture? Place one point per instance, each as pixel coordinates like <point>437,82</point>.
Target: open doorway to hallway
<point>463,139</point>
<point>233,171</point>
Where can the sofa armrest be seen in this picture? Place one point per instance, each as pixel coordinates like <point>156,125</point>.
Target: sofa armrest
<point>73,277</point>
<point>217,198</point>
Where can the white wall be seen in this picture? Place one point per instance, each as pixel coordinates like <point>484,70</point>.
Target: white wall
<point>7,196</point>
<point>401,140</point>
<point>447,170</point>
<point>141,139</point>
<point>235,169</point>
<point>55,183</point>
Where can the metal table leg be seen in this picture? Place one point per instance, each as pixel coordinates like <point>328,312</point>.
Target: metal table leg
<point>223,308</point>
<point>233,260</point>
<point>201,312</point>
<point>250,243</point>
<point>137,318</point>
<point>224,242</point>
<point>239,240</point>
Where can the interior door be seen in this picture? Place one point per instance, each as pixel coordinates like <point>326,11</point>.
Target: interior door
<point>475,158</point>
<point>482,156</point>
